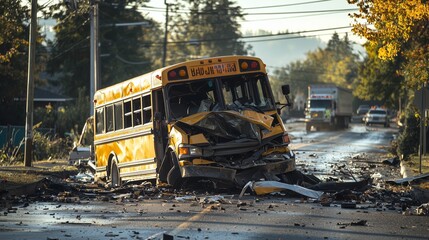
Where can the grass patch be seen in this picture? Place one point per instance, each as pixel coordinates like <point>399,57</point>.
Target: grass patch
<point>18,175</point>
<point>414,164</point>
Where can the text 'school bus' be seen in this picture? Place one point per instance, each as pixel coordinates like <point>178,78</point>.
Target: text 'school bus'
<point>213,118</point>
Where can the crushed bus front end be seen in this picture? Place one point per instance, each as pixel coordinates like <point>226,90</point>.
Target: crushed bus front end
<point>232,147</point>
<point>223,123</point>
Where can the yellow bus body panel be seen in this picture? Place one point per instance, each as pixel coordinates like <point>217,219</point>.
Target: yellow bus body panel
<point>132,150</point>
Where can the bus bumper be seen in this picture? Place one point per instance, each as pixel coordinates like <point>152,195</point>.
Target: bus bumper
<point>240,177</point>
<point>219,173</point>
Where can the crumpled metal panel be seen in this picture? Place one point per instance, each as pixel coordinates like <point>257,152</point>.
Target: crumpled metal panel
<point>230,125</point>
<point>259,119</point>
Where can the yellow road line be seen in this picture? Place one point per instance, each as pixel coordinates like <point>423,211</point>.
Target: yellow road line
<point>187,224</point>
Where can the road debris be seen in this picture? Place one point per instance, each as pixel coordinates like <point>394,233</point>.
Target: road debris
<point>392,161</point>
<point>83,177</point>
<point>410,180</point>
<point>186,198</point>
<point>339,186</point>
<point>423,210</point>
<point>266,187</point>
<point>349,205</point>
<point>357,223</point>
<point>214,199</point>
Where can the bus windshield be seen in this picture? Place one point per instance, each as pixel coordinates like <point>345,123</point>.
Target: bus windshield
<point>226,93</point>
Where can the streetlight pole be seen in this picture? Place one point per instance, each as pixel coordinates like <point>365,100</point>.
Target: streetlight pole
<point>164,55</point>
<point>94,58</point>
<point>28,150</point>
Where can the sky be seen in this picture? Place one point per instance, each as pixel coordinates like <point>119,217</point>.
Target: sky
<point>290,15</point>
<point>318,19</point>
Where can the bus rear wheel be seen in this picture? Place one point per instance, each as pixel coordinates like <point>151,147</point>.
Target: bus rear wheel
<point>115,178</point>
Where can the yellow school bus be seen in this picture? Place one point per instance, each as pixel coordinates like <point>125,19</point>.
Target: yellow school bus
<point>208,119</point>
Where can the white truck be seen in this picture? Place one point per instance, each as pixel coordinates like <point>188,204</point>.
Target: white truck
<point>328,106</point>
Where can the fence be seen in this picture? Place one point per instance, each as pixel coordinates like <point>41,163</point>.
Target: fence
<point>15,134</point>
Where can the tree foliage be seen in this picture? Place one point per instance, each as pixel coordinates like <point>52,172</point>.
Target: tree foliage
<point>379,79</point>
<point>399,28</point>
<point>126,51</point>
<point>334,64</point>
<point>14,18</point>
<point>209,29</point>
<point>13,36</point>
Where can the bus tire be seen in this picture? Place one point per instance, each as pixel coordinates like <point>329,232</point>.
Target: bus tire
<point>115,177</point>
<point>174,177</point>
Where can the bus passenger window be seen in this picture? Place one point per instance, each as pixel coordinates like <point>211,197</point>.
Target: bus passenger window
<point>137,111</point>
<point>109,118</point>
<point>118,116</point>
<point>147,109</point>
<point>99,120</point>
<point>127,114</point>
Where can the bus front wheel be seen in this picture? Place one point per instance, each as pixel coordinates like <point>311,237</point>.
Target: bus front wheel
<point>174,177</point>
<point>115,178</point>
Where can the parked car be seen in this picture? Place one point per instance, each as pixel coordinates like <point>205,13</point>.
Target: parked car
<point>362,109</point>
<point>377,116</point>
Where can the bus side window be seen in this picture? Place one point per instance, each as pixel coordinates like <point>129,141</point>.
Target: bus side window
<point>127,114</point>
<point>147,109</point>
<point>137,111</point>
<point>109,118</point>
<point>99,120</point>
<point>118,116</point>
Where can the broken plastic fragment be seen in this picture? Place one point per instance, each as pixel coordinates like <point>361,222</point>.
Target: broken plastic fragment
<point>265,187</point>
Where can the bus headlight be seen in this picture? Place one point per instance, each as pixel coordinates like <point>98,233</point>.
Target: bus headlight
<point>286,138</point>
<point>189,151</point>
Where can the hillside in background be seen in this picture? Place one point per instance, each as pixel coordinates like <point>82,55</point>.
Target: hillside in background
<point>279,51</point>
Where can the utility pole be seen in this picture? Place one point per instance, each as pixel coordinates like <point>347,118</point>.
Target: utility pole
<point>164,55</point>
<point>94,58</point>
<point>28,151</point>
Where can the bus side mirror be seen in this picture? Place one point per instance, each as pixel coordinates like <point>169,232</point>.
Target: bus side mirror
<point>285,89</point>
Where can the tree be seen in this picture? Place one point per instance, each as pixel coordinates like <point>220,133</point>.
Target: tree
<point>126,51</point>
<point>210,28</point>
<point>378,79</point>
<point>335,64</point>
<point>399,28</point>
<point>14,18</point>
<point>13,36</point>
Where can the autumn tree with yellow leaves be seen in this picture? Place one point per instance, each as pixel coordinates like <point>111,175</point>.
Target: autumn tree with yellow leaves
<point>398,56</point>
<point>398,28</point>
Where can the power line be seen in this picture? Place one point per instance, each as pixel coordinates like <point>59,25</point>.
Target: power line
<point>215,12</point>
<point>131,62</point>
<point>71,48</point>
<point>304,12</point>
<point>271,19</point>
<point>289,17</point>
<point>287,5</point>
<point>261,36</point>
<point>292,37</point>
<point>159,9</point>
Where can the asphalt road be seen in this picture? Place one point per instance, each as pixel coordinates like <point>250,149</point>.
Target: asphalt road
<point>281,216</point>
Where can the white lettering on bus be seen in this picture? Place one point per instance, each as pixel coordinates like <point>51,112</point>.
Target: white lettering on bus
<point>214,69</point>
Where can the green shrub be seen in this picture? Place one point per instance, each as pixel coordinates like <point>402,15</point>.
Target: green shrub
<point>45,146</point>
<point>408,139</point>
<point>64,119</point>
